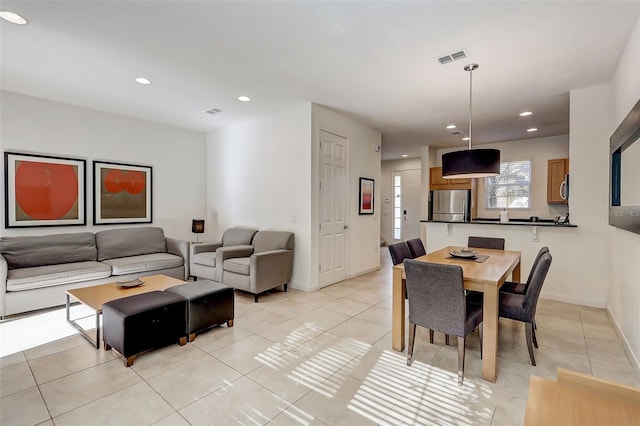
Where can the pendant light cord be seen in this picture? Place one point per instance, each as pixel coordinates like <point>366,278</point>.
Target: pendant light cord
<point>470,68</point>
<point>470,101</point>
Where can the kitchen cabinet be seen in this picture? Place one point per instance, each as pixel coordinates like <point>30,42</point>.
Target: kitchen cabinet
<point>557,172</point>
<point>437,182</point>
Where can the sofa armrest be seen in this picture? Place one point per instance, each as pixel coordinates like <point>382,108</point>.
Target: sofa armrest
<point>179,248</point>
<point>4,270</point>
<point>270,269</point>
<point>204,247</point>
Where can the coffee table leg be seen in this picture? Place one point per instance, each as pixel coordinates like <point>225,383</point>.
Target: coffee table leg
<point>83,333</point>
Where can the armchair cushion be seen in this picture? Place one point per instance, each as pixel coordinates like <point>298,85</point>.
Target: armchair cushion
<point>239,265</point>
<point>207,258</point>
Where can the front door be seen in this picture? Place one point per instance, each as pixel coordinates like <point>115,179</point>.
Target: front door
<point>333,208</point>
<point>406,204</point>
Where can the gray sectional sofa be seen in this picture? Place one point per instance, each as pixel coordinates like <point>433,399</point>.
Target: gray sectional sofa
<point>35,271</point>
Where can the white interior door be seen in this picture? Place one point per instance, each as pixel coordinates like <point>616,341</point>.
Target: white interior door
<point>406,204</point>
<point>411,203</point>
<point>333,208</point>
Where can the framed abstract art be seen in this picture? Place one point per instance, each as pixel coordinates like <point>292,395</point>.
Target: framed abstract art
<point>366,195</point>
<point>122,193</point>
<point>42,190</point>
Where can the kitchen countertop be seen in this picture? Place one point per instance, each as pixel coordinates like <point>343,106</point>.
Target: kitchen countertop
<point>516,222</point>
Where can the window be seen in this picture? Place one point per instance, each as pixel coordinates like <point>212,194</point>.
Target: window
<point>512,188</point>
<point>397,207</point>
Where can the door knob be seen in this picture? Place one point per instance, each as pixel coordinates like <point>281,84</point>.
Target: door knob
<point>346,226</point>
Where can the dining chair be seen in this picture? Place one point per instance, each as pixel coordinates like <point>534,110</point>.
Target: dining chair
<point>486,242</point>
<point>416,247</point>
<point>522,307</point>
<point>437,302</point>
<point>521,288</point>
<point>399,252</point>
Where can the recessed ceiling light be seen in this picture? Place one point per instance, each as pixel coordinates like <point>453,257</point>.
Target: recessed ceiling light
<point>465,138</point>
<point>451,126</point>
<point>532,129</point>
<point>244,98</point>
<point>526,113</point>
<point>405,155</point>
<point>142,80</point>
<point>14,18</point>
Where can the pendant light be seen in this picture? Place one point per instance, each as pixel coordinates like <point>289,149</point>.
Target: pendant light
<point>471,163</point>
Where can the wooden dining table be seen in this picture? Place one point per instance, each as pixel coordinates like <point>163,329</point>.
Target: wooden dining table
<point>486,277</point>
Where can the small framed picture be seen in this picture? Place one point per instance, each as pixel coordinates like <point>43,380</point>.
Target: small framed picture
<point>42,190</point>
<point>122,193</point>
<point>367,187</point>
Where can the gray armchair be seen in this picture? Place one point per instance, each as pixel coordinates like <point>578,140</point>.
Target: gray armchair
<point>270,264</point>
<point>206,259</point>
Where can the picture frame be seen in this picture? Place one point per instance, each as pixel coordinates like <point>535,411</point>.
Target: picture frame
<point>43,190</point>
<point>122,193</point>
<point>366,198</point>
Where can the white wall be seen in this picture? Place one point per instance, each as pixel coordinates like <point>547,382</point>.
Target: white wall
<point>388,167</point>
<point>623,295</point>
<point>539,151</point>
<point>258,175</point>
<point>40,126</point>
<point>364,161</point>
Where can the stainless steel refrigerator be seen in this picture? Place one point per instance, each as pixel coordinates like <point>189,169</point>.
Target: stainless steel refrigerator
<point>450,206</point>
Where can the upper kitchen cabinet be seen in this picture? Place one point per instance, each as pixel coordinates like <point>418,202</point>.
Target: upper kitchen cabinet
<point>437,182</point>
<point>557,174</point>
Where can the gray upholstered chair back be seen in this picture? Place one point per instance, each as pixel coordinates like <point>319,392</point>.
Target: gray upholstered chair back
<point>416,247</point>
<point>399,252</point>
<point>436,296</point>
<point>542,251</point>
<point>486,242</point>
<point>238,236</point>
<point>272,240</point>
<point>535,286</point>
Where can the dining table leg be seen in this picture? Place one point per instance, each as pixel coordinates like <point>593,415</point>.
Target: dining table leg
<point>490,332</point>
<point>490,318</point>
<point>397,324</point>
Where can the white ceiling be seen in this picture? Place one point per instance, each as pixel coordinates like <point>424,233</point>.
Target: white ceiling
<point>375,61</point>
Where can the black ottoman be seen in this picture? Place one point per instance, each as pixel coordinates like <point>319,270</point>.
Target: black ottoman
<point>208,304</point>
<point>135,324</point>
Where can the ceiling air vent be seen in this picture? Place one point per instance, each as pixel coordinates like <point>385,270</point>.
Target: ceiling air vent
<point>450,57</point>
<point>213,111</point>
<point>454,132</point>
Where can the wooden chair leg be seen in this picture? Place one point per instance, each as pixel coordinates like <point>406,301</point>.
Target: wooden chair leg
<point>533,335</point>
<point>529,331</point>
<point>192,337</point>
<point>128,362</point>
<point>461,345</point>
<point>431,333</point>
<point>183,340</point>
<point>412,338</point>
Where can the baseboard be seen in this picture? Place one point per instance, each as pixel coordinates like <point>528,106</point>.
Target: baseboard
<point>573,300</point>
<point>633,359</point>
<point>366,271</point>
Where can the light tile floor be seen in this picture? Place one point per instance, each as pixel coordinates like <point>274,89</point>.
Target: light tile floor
<point>295,358</point>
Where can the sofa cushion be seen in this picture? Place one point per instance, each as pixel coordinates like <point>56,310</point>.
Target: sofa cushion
<point>239,265</point>
<point>143,263</point>
<point>238,236</point>
<point>127,242</point>
<point>26,252</point>
<point>50,275</point>
<point>207,258</point>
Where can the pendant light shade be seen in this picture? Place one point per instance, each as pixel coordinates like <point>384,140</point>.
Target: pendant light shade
<point>471,163</point>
